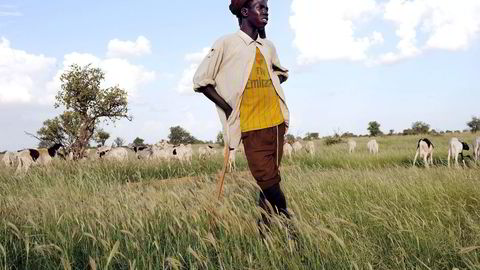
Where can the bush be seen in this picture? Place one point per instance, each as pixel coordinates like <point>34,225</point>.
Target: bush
<point>331,140</point>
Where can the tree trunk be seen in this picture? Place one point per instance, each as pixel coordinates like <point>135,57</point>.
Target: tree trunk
<point>84,134</point>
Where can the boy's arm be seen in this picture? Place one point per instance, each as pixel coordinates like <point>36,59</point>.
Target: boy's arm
<point>210,93</point>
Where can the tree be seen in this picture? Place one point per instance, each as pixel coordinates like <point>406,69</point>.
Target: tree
<point>82,96</point>
<point>101,136</point>
<point>391,132</point>
<point>61,129</point>
<point>408,131</point>
<point>219,139</point>
<point>138,141</point>
<point>347,135</point>
<point>311,136</point>
<point>119,142</point>
<point>474,125</point>
<point>374,128</point>
<point>179,135</point>
<point>420,127</point>
<point>289,138</point>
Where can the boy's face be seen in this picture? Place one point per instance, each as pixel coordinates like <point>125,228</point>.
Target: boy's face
<point>258,13</point>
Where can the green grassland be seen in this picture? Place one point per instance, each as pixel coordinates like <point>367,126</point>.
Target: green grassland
<point>356,211</point>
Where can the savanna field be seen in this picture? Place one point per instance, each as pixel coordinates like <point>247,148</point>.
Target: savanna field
<point>351,211</point>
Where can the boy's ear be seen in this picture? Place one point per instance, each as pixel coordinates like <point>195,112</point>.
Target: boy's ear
<point>244,12</point>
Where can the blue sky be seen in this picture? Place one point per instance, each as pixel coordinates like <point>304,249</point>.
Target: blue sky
<point>351,62</point>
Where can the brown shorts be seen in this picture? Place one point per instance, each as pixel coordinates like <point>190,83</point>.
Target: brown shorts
<point>264,150</point>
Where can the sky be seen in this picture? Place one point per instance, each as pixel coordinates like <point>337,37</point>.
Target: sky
<point>350,62</point>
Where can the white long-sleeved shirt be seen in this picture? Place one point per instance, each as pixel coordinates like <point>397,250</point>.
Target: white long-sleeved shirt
<point>227,68</point>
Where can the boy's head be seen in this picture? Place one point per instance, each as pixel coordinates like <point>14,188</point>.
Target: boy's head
<point>253,12</point>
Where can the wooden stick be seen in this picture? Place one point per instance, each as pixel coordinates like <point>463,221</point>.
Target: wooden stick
<point>226,157</point>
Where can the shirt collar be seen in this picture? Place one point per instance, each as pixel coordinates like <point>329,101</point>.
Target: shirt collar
<point>247,39</point>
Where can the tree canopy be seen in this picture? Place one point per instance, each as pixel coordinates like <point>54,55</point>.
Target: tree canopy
<point>101,136</point>
<point>179,135</point>
<point>86,103</point>
<point>474,124</point>
<point>420,127</point>
<point>374,128</point>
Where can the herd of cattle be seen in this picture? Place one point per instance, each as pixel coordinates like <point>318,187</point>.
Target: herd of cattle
<point>163,150</point>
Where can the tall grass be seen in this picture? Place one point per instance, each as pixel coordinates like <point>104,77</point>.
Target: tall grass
<point>350,212</point>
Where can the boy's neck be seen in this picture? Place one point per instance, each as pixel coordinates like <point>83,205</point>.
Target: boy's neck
<point>250,31</point>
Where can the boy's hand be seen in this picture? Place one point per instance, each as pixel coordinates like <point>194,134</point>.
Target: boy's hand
<point>282,78</point>
<point>228,112</point>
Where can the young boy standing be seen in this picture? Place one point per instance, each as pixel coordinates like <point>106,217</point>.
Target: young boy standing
<point>242,75</point>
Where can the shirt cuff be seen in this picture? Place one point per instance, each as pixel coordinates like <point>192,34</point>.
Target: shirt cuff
<point>203,83</point>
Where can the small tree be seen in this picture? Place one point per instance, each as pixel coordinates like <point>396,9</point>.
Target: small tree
<point>101,136</point>
<point>138,141</point>
<point>61,129</point>
<point>391,132</point>
<point>219,139</point>
<point>119,142</point>
<point>420,127</point>
<point>311,136</point>
<point>289,138</point>
<point>179,135</point>
<point>474,125</point>
<point>82,95</point>
<point>374,128</point>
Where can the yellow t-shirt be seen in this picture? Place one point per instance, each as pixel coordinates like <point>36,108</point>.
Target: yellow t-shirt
<point>260,107</point>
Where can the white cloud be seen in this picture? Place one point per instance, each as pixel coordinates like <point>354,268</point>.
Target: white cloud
<point>119,48</point>
<point>9,11</point>
<point>10,14</point>
<point>325,30</point>
<point>117,72</point>
<point>329,30</point>
<point>21,73</point>
<point>185,85</point>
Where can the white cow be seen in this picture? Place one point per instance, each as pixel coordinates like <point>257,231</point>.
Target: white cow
<point>287,150</point>
<point>9,159</point>
<point>476,149</point>
<point>455,149</point>
<point>143,152</point>
<point>231,159</point>
<point>372,146</point>
<point>425,150</point>
<point>29,157</point>
<point>297,147</point>
<point>118,154</point>
<point>206,151</point>
<point>183,153</point>
<point>310,148</point>
<point>351,146</point>
<point>115,153</point>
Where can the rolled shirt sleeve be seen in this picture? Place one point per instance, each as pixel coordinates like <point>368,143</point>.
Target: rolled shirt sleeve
<point>208,69</point>
<point>278,69</point>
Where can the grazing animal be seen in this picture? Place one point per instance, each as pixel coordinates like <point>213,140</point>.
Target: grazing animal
<point>162,150</point>
<point>143,152</point>
<point>297,147</point>
<point>232,166</point>
<point>118,154</point>
<point>372,146</point>
<point>114,153</point>
<point>206,151</point>
<point>455,149</point>
<point>287,150</point>
<point>351,146</point>
<point>9,159</point>
<point>183,153</point>
<point>476,149</point>
<point>29,157</point>
<point>425,150</point>
<point>310,148</point>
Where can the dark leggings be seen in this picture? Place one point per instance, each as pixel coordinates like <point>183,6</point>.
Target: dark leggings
<point>274,195</point>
